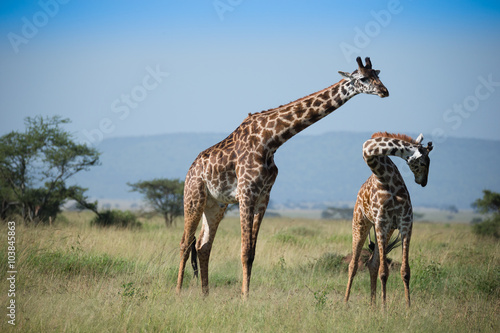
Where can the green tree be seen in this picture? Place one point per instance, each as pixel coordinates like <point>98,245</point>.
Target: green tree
<point>35,165</point>
<point>8,198</point>
<point>165,196</point>
<point>488,204</point>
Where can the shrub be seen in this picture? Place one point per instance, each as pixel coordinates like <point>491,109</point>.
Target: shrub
<point>329,262</point>
<point>488,282</point>
<point>489,204</point>
<point>75,263</point>
<point>283,237</point>
<point>489,227</point>
<point>116,218</point>
<point>428,276</point>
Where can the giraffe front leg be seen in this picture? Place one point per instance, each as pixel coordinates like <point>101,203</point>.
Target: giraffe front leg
<point>247,251</point>
<point>258,217</point>
<point>251,214</point>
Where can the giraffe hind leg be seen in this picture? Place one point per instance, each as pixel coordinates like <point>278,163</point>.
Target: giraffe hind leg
<point>186,246</point>
<point>383,270</point>
<point>373,267</point>
<point>194,205</point>
<point>374,263</point>
<point>194,258</point>
<point>214,212</point>
<point>360,229</point>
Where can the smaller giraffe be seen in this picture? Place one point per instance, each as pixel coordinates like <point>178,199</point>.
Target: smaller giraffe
<point>383,202</point>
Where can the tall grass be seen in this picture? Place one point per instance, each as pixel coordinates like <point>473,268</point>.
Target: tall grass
<point>76,278</point>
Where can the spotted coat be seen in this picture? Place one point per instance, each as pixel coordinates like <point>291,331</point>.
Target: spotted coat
<point>383,202</point>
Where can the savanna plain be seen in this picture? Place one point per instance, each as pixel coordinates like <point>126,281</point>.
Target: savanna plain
<point>73,277</point>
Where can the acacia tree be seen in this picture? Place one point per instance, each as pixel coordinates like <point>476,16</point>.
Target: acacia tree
<point>35,165</point>
<point>165,196</point>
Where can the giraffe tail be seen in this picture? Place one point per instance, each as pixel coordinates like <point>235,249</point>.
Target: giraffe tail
<point>194,258</point>
<point>394,242</point>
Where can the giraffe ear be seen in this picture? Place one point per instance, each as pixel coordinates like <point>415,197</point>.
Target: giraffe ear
<point>419,138</point>
<point>345,75</point>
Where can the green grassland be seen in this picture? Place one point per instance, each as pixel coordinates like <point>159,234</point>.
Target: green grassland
<point>76,278</point>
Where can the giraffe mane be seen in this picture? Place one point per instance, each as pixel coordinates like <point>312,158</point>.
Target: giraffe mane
<point>398,136</point>
<point>298,100</point>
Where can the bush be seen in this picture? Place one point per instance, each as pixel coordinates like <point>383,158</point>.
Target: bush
<point>329,262</point>
<point>489,227</point>
<point>75,263</point>
<point>488,204</point>
<point>428,276</point>
<point>116,218</point>
<point>488,282</point>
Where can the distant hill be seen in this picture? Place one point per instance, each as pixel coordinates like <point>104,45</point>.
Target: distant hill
<point>314,170</point>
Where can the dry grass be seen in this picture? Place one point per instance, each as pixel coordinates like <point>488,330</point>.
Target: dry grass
<point>76,278</point>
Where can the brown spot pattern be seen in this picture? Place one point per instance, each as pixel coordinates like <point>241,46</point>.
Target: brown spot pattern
<point>383,202</point>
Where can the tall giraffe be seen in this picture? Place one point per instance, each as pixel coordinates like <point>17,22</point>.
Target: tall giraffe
<point>240,168</point>
<point>383,202</point>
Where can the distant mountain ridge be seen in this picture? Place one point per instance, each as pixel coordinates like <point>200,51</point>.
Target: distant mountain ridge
<point>313,169</point>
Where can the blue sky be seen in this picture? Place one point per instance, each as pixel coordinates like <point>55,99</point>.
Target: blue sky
<point>120,68</point>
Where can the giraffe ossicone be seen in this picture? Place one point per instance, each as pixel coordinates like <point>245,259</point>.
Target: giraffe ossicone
<point>240,168</point>
<point>383,202</point>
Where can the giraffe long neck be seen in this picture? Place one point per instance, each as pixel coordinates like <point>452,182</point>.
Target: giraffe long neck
<point>376,154</point>
<point>284,122</point>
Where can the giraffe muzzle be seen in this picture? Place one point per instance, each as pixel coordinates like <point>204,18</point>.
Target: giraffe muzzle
<point>383,92</point>
<point>422,182</point>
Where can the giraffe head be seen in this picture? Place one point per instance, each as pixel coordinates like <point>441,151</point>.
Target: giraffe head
<point>419,162</point>
<point>365,79</point>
